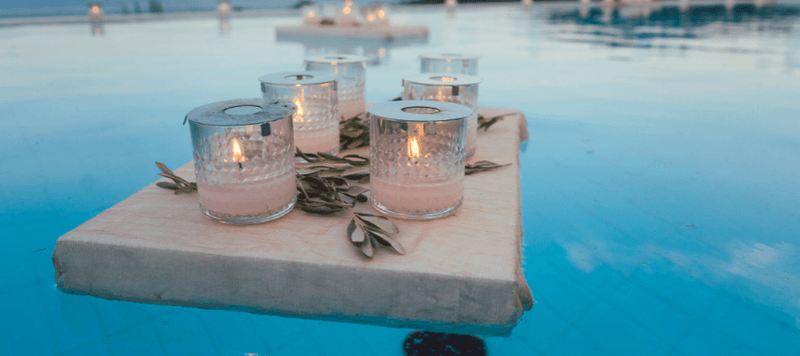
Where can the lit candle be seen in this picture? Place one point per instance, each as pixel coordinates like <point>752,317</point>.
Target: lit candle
<point>351,71</point>
<point>375,15</point>
<point>454,88</point>
<point>460,63</point>
<point>244,160</point>
<point>311,14</point>
<point>95,11</point>
<point>417,158</point>
<point>316,122</point>
<point>224,9</point>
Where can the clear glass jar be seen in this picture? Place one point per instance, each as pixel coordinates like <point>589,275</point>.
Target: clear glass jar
<point>453,88</point>
<point>417,158</point>
<point>244,160</point>
<point>316,121</point>
<point>449,63</point>
<point>351,70</point>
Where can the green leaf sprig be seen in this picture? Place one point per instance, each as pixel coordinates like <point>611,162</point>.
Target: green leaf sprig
<point>368,232</point>
<point>333,194</point>
<point>482,166</point>
<point>485,124</point>
<point>180,186</point>
<point>351,159</point>
<point>353,133</point>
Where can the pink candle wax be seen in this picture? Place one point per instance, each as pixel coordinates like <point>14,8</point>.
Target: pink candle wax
<point>350,108</point>
<point>417,198</point>
<point>249,199</point>
<point>472,135</point>
<point>326,140</point>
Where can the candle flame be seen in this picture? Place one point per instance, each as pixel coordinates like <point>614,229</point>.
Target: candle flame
<point>381,13</point>
<point>299,107</point>
<point>413,148</point>
<point>95,9</point>
<point>346,10</point>
<point>448,79</point>
<point>370,17</point>
<point>310,14</point>
<point>237,151</point>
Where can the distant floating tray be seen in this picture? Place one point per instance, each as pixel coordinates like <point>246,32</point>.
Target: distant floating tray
<point>461,274</point>
<point>372,32</point>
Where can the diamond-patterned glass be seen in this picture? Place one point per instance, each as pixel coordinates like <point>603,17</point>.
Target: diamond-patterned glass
<point>245,174</point>
<point>466,95</point>
<point>449,63</point>
<point>352,95</point>
<point>316,122</point>
<point>417,168</point>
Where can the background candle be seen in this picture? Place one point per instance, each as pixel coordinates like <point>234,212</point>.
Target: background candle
<point>417,158</point>
<point>460,63</point>
<point>351,70</point>
<point>454,88</point>
<point>244,160</point>
<point>316,122</point>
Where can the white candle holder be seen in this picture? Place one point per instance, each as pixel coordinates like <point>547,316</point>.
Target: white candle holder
<point>351,70</point>
<point>316,121</point>
<point>417,158</point>
<point>449,63</point>
<point>244,160</point>
<point>454,88</point>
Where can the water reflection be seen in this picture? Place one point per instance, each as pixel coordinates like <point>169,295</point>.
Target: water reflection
<point>376,50</point>
<point>97,28</point>
<point>651,25</point>
<point>224,25</point>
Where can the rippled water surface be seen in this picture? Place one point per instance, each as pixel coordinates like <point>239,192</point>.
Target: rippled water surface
<point>660,182</point>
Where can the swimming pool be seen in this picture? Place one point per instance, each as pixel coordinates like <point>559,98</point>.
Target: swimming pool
<point>660,183</point>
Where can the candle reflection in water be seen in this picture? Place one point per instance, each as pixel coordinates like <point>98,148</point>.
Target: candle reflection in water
<point>97,28</point>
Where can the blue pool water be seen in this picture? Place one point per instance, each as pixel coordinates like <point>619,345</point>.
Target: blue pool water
<point>660,182</point>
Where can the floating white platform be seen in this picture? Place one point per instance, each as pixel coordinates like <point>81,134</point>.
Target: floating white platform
<point>461,274</point>
<point>372,32</point>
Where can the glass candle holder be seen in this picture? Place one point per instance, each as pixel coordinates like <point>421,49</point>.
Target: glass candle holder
<point>417,158</point>
<point>454,88</point>
<point>244,160</point>
<point>316,121</point>
<point>351,70</point>
<point>449,63</point>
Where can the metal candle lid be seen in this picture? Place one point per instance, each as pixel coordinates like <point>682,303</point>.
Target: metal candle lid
<point>240,112</point>
<point>450,56</point>
<point>420,111</point>
<point>297,78</point>
<point>334,59</point>
<point>444,79</point>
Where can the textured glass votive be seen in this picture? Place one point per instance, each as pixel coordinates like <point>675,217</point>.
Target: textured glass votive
<point>417,158</point>
<point>316,121</point>
<point>449,63</point>
<point>453,88</point>
<point>244,160</point>
<point>351,70</point>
